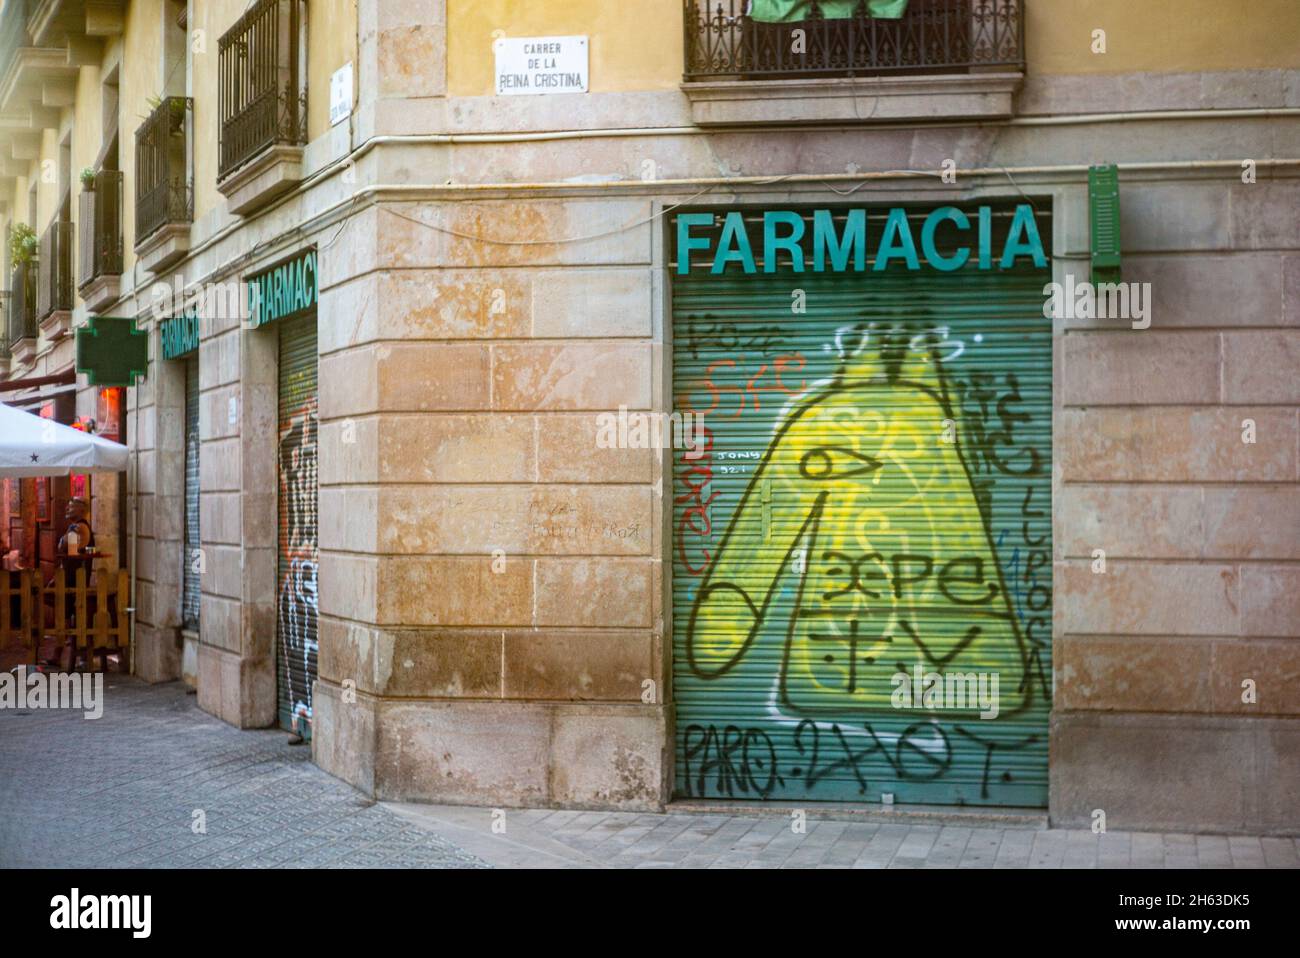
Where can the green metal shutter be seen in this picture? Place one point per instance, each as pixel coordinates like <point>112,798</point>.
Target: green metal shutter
<point>190,576</point>
<point>872,499</point>
<point>1103,222</point>
<point>296,632</point>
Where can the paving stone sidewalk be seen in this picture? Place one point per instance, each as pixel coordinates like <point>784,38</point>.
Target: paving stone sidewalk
<point>546,838</point>
<point>123,791</point>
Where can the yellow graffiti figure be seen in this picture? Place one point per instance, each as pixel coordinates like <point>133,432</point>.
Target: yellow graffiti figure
<point>858,549</point>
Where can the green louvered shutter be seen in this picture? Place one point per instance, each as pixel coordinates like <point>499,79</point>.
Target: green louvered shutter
<point>873,497</point>
<point>298,551</point>
<point>1103,222</point>
<point>190,575</point>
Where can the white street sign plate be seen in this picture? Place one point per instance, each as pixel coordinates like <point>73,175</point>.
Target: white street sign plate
<point>341,93</point>
<point>532,65</point>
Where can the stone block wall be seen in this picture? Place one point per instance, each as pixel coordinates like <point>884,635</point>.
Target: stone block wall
<point>160,444</point>
<point>237,520</point>
<point>491,627</point>
<point>1199,603</point>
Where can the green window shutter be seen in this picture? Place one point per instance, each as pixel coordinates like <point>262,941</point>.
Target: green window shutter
<point>1103,217</point>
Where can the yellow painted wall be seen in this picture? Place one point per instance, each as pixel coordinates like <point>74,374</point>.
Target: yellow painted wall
<point>634,46</point>
<point>331,42</point>
<point>87,141</point>
<point>87,128</point>
<point>17,198</point>
<point>639,46</point>
<point>19,206</point>
<point>140,77</point>
<point>213,17</point>
<point>1162,36</point>
<point>47,173</point>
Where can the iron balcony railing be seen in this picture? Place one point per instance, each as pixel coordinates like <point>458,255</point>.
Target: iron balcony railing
<point>164,192</point>
<point>263,82</point>
<point>101,227</point>
<point>54,291</point>
<point>932,36</point>
<point>22,302</point>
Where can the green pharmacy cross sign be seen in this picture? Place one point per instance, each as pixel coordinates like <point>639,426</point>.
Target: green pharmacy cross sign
<point>112,352</point>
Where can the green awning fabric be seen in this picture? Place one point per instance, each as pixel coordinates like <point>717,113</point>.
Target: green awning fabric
<point>787,11</point>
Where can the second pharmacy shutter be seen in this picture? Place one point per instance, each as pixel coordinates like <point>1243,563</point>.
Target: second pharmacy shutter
<point>190,571</point>
<point>296,601</point>
<point>871,508</point>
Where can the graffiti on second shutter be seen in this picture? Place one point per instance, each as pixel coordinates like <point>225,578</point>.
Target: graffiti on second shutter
<point>298,607</point>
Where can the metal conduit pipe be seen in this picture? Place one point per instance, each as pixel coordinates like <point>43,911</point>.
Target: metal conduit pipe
<point>453,138</point>
<point>328,216</point>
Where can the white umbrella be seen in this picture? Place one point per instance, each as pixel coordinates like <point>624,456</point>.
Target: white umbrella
<point>33,446</point>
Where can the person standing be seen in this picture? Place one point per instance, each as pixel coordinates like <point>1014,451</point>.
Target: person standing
<point>79,537</point>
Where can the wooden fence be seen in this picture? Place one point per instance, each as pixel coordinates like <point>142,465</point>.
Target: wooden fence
<point>86,620</point>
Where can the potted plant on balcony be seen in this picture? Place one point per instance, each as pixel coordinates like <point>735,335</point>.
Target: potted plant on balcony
<point>88,179</point>
<point>22,244</point>
<point>178,106</point>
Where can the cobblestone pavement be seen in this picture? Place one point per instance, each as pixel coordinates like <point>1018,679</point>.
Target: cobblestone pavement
<point>568,839</point>
<point>123,790</point>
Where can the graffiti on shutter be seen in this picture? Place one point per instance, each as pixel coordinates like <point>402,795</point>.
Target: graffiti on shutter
<point>192,560</point>
<point>296,608</point>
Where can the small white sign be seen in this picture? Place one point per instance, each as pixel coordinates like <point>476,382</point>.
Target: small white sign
<point>529,65</point>
<point>341,93</point>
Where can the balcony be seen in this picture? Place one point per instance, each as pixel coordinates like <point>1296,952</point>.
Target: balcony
<point>164,199</point>
<point>54,300</point>
<point>34,67</point>
<point>79,24</point>
<point>101,240</point>
<point>941,60</point>
<point>42,45</point>
<point>21,329</point>
<point>263,104</point>
<point>26,67</point>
